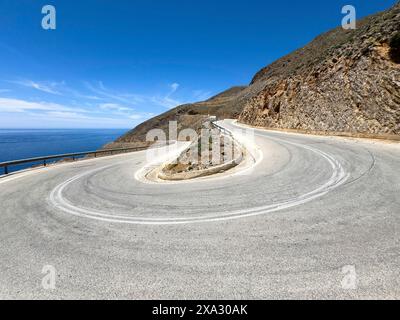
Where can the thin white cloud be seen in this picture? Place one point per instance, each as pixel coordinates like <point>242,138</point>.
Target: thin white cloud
<point>53,110</point>
<point>102,91</point>
<point>66,115</point>
<point>53,87</point>
<point>114,107</point>
<point>41,86</point>
<point>166,100</point>
<point>174,86</point>
<point>126,112</point>
<point>17,105</point>
<point>95,107</point>
<point>77,94</point>
<point>136,116</point>
<point>87,119</point>
<point>22,113</point>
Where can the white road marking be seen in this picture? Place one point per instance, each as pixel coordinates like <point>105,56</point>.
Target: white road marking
<point>338,177</point>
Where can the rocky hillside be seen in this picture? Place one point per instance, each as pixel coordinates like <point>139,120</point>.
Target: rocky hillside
<point>342,82</point>
<point>228,104</point>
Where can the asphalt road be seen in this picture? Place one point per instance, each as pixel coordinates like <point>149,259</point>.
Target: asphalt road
<point>315,217</point>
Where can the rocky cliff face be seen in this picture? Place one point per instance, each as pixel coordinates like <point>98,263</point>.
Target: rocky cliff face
<point>343,81</point>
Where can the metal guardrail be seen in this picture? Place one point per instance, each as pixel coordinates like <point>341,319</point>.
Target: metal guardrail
<point>229,133</point>
<point>74,156</point>
<point>222,129</point>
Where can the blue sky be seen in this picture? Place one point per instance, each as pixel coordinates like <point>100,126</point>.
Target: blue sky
<point>114,64</point>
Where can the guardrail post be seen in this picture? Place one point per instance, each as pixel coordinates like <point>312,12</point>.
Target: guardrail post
<point>44,162</point>
<point>5,170</point>
<point>95,155</point>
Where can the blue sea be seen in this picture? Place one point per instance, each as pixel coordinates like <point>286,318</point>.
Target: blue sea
<point>29,143</point>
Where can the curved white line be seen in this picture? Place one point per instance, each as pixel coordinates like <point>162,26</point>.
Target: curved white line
<point>339,176</point>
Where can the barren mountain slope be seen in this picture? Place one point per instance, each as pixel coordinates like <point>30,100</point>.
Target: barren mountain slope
<point>228,104</point>
<point>343,81</point>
